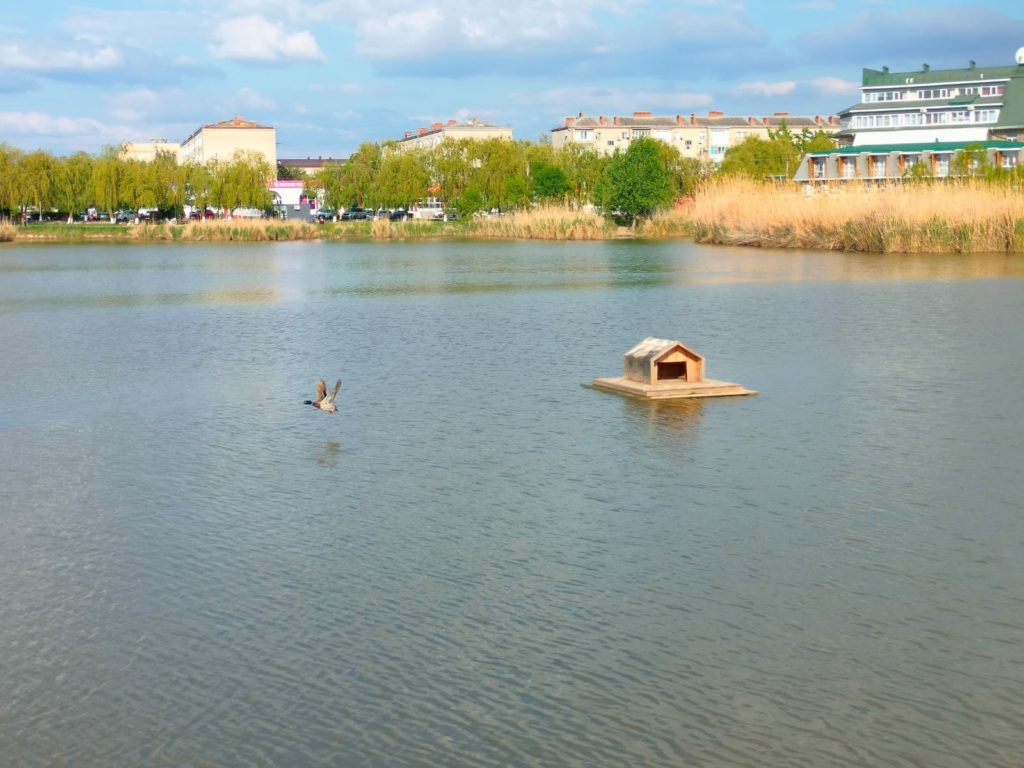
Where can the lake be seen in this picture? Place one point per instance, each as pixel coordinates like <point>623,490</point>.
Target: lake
<point>479,561</point>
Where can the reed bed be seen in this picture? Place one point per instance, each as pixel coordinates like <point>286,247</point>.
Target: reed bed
<point>242,230</point>
<point>544,223</point>
<point>969,216</point>
<point>7,232</point>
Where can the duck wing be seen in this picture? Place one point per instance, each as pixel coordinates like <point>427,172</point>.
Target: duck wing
<point>321,390</point>
<point>328,399</point>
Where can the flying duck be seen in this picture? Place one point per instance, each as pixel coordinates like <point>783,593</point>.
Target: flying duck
<point>324,401</point>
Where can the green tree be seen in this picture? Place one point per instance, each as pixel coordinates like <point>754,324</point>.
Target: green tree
<point>403,178</point>
<point>356,177</point>
<point>636,182</point>
<point>107,177</point>
<point>778,155</point>
<point>71,185</point>
<point>10,178</point>
<point>37,172</point>
<point>497,171</point>
<point>448,165</point>
<point>584,169</point>
<point>548,181</point>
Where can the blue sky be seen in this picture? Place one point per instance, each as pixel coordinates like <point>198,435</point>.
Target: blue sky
<point>330,75</point>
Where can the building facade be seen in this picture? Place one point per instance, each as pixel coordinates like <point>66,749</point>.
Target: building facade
<point>221,141</point>
<point>935,123</point>
<point>148,150</point>
<point>699,137</point>
<point>474,130</point>
<point>216,141</point>
<point>944,105</point>
<point>894,162</point>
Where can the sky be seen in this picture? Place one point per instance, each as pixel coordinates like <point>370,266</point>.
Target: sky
<point>331,75</point>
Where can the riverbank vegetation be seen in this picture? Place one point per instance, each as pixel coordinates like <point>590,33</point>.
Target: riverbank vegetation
<point>527,190</point>
<point>968,215</point>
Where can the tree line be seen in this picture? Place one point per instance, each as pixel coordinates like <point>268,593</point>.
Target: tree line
<point>469,176</point>
<point>45,185</point>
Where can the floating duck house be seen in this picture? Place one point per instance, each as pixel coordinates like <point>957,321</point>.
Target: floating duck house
<point>663,369</point>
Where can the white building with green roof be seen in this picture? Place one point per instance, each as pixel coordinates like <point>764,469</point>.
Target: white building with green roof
<point>922,122</point>
<point>960,105</point>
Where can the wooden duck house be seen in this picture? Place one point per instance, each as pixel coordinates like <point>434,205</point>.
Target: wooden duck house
<point>661,369</point>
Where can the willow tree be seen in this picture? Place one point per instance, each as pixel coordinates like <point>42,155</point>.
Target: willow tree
<point>71,183</point>
<point>498,172</point>
<point>449,169</point>
<point>402,179</point>
<point>583,168</point>
<point>10,168</point>
<point>171,183</point>
<point>37,169</point>
<point>240,183</point>
<point>356,177</point>
<point>107,177</point>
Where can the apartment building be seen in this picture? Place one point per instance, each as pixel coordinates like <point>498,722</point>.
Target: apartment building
<point>707,137</point>
<point>216,141</point>
<point>473,129</point>
<point>944,105</point>
<point>925,122</point>
<point>221,141</point>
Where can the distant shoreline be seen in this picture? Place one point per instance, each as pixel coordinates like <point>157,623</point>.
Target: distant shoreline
<point>951,216</point>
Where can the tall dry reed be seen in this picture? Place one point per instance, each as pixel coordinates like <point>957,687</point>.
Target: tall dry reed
<point>244,230</point>
<point>7,232</point>
<point>968,216</point>
<point>543,223</point>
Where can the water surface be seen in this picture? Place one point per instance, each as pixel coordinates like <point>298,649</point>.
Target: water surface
<point>480,562</point>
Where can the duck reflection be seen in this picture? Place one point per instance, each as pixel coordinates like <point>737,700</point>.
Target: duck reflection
<point>329,456</point>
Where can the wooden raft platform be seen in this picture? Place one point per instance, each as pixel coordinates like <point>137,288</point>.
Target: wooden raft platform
<point>664,390</point>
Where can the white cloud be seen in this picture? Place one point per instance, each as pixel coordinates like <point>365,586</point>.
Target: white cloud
<point>42,124</point>
<point>14,57</point>
<point>620,100</point>
<point>249,99</point>
<point>397,32</point>
<point>254,38</point>
<point>761,88</point>
<point>834,86</point>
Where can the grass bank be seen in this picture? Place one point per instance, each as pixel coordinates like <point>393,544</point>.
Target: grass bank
<point>953,217</point>
<point>547,223</point>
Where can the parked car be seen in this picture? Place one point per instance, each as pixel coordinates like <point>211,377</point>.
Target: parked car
<point>324,215</point>
<point>356,214</point>
<point>398,214</point>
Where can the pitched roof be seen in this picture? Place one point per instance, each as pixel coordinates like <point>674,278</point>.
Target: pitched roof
<point>652,348</point>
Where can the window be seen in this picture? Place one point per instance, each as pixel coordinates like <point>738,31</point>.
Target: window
<point>689,143</point>
<point>611,142</point>
<point>876,166</point>
<point>817,168</point>
<point>940,165</point>
<point>993,90</point>
<point>583,136</point>
<point>1010,159</point>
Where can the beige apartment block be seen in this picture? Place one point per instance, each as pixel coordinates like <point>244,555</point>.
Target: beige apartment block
<point>474,130</point>
<point>221,141</point>
<point>148,150</point>
<point>694,136</point>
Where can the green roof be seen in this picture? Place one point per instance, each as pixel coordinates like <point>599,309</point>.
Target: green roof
<point>931,146</point>
<point>873,77</point>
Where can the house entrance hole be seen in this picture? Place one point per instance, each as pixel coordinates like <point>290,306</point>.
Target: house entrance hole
<point>672,371</point>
